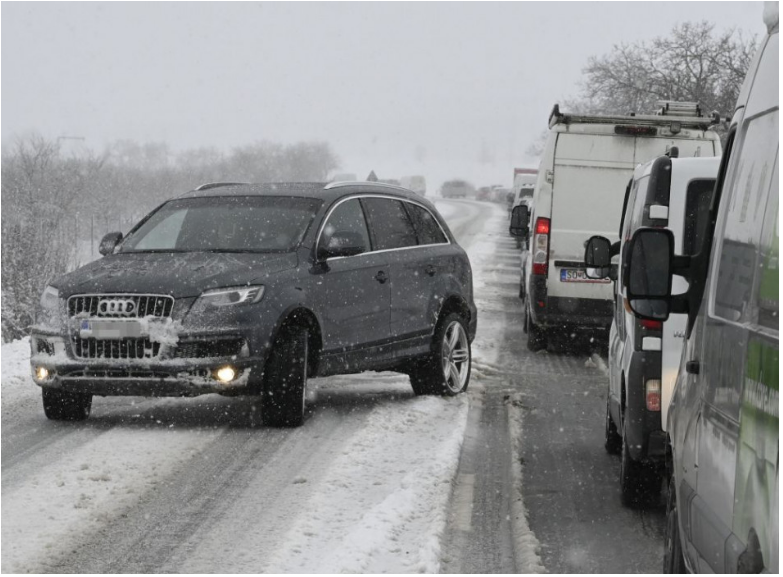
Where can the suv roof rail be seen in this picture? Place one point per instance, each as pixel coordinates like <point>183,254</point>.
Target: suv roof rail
<point>332,185</point>
<point>208,185</point>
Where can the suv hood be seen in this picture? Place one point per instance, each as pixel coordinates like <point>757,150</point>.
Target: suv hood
<point>176,274</point>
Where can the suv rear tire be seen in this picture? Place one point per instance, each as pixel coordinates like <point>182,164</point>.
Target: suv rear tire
<point>285,380</point>
<point>64,406</point>
<point>446,370</point>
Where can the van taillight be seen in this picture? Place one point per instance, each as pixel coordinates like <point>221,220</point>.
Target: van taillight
<point>653,394</point>
<point>653,325</point>
<point>541,246</point>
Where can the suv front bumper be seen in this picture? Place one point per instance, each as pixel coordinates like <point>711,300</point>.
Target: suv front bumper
<point>172,374</point>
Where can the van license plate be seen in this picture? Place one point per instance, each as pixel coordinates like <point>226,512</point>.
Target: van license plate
<point>109,329</point>
<point>578,275</point>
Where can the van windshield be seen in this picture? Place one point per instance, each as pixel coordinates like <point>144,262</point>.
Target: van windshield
<point>225,224</point>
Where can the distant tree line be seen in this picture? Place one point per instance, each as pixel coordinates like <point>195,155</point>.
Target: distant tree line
<point>50,199</point>
<point>694,63</point>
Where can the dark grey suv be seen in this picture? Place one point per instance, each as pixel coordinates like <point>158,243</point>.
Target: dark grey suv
<point>253,288</point>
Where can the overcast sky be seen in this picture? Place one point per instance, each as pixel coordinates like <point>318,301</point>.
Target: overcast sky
<point>402,88</point>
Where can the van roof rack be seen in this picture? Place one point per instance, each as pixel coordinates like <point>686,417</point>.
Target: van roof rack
<point>672,108</point>
<point>699,122</point>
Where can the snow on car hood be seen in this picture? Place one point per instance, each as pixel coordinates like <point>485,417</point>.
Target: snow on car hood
<point>177,274</point>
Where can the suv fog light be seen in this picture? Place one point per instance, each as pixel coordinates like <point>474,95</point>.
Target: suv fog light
<point>225,374</point>
<point>41,373</point>
<point>653,394</point>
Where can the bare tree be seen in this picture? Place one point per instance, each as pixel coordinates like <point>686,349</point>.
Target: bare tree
<point>693,63</point>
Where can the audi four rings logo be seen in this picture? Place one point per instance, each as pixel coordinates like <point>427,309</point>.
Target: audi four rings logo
<point>116,307</point>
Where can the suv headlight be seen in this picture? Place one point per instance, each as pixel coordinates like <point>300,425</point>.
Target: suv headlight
<point>226,297</point>
<point>49,308</point>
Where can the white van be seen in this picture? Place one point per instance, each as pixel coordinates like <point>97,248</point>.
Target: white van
<point>644,355</point>
<point>416,183</point>
<point>524,184</point>
<point>586,165</point>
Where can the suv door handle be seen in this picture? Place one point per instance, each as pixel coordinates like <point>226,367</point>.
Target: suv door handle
<point>692,367</point>
<point>381,277</point>
<point>430,270</point>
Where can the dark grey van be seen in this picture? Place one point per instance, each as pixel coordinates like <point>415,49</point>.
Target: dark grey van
<point>724,455</point>
<point>251,289</point>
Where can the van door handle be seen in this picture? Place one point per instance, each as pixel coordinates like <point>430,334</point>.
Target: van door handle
<point>381,277</point>
<point>430,270</point>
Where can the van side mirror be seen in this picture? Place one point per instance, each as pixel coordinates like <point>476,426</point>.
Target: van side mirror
<point>598,257</point>
<point>648,276</point>
<point>520,221</point>
<point>342,243</point>
<point>109,242</point>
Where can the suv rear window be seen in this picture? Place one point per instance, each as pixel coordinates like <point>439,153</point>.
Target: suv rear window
<point>427,228</point>
<point>390,226</point>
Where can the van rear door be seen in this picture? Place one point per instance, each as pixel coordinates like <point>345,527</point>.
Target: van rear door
<point>591,173</point>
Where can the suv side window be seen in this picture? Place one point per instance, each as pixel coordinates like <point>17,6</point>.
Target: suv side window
<point>698,198</point>
<point>427,228</point>
<point>390,226</point>
<point>348,217</point>
<point>744,215</point>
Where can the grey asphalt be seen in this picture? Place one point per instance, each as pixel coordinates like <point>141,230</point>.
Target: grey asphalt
<point>570,485</point>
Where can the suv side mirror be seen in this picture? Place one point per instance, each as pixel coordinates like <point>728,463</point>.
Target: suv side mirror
<point>648,276</point>
<point>598,257</point>
<point>342,243</point>
<point>520,221</point>
<point>109,243</point>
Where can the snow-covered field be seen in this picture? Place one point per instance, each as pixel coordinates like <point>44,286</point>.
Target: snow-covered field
<point>362,487</point>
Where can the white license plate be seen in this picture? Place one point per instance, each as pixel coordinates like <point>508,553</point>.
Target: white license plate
<point>578,275</point>
<point>110,329</point>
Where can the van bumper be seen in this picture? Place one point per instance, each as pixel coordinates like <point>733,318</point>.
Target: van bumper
<point>568,313</point>
<point>645,438</point>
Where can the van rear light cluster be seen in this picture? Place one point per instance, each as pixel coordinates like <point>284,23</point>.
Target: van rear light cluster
<point>652,389</point>
<point>650,324</point>
<point>541,246</point>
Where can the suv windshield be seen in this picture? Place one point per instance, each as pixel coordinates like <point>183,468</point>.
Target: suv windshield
<point>225,224</point>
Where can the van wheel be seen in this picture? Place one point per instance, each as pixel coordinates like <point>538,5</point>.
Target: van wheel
<point>522,294</point>
<point>673,559</point>
<point>285,380</point>
<point>536,335</point>
<point>640,481</point>
<point>446,370</point>
<point>613,442</point>
<point>64,406</point>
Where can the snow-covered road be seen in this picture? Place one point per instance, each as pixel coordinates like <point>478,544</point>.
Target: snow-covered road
<point>511,477</point>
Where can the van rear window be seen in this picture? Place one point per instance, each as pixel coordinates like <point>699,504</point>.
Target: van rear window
<point>698,198</point>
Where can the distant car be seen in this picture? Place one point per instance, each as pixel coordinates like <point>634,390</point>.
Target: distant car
<point>644,355</point>
<point>251,289</point>
<point>586,164</point>
<point>722,511</point>
<point>456,189</point>
<point>416,183</point>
